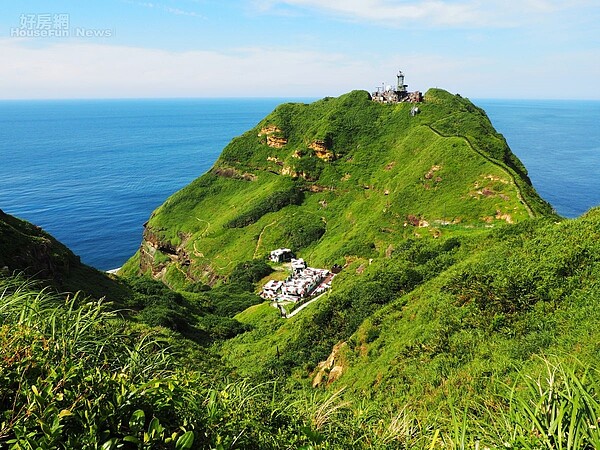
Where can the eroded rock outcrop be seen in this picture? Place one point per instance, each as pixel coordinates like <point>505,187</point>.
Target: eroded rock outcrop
<point>230,172</point>
<point>270,129</point>
<point>156,254</point>
<point>274,137</point>
<point>332,368</point>
<point>276,141</point>
<point>321,150</point>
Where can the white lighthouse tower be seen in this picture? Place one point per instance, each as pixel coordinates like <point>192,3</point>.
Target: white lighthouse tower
<point>401,87</point>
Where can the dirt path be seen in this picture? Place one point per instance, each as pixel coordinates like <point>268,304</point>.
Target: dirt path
<point>203,234</point>
<point>260,236</point>
<point>496,163</point>
<point>196,252</point>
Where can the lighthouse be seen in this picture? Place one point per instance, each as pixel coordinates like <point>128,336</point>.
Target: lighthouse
<point>387,94</point>
<point>401,87</point>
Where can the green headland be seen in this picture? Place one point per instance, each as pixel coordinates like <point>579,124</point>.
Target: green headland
<point>464,317</point>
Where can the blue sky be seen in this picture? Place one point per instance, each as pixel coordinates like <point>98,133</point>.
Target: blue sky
<point>291,48</point>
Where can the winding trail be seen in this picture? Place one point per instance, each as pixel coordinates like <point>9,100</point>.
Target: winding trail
<point>492,161</point>
<point>203,234</point>
<point>196,252</point>
<point>260,236</point>
<point>200,254</point>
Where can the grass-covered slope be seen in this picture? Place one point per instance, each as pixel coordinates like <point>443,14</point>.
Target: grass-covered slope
<point>455,330</point>
<point>526,291</point>
<point>337,179</point>
<point>202,315</point>
<point>26,248</point>
<point>80,377</point>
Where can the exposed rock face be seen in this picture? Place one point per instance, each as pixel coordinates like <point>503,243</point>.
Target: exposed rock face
<point>269,130</point>
<point>331,369</point>
<point>272,132</point>
<point>503,216</point>
<point>276,141</point>
<point>230,172</point>
<point>429,175</point>
<point>275,159</point>
<point>153,248</point>
<point>289,171</point>
<point>321,150</point>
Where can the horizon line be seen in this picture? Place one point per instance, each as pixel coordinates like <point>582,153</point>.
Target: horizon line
<point>271,97</point>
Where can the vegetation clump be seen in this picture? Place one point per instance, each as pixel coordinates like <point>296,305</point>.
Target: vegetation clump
<point>273,203</point>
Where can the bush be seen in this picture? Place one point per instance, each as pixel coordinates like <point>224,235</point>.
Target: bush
<point>219,327</point>
<point>302,230</point>
<point>76,377</point>
<point>271,203</point>
<point>160,306</point>
<point>246,273</point>
<point>228,300</point>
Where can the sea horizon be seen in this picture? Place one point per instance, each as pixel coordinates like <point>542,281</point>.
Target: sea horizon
<point>294,98</point>
<point>90,171</point>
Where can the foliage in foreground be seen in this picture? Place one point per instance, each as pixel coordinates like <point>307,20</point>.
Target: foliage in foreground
<point>74,376</point>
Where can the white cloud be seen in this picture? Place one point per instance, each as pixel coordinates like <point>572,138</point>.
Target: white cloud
<point>168,9</point>
<point>74,69</point>
<point>430,13</point>
<point>83,70</point>
<point>389,12</point>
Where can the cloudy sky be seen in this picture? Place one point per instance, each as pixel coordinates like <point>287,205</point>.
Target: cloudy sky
<point>291,48</point>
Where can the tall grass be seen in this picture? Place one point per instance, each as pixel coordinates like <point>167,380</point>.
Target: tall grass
<point>72,373</point>
<point>558,409</point>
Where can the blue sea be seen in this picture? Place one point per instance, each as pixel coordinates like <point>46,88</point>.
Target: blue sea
<point>90,172</point>
<point>559,143</point>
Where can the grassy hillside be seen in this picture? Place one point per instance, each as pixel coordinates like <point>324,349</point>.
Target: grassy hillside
<point>477,340</point>
<point>26,248</point>
<point>441,309</point>
<point>465,317</point>
<point>454,331</point>
<point>338,179</point>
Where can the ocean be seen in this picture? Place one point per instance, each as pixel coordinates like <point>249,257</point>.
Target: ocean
<point>90,172</point>
<point>559,143</point>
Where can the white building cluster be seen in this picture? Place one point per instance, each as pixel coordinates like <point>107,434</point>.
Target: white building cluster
<point>304,282</point>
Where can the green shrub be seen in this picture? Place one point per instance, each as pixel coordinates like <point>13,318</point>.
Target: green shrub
<point>272,203</point>
<point>246,273</point>
<point>73,376</point>
<point>228,300</point>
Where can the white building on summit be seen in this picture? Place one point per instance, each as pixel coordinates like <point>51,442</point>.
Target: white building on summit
<point>397,94</point>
